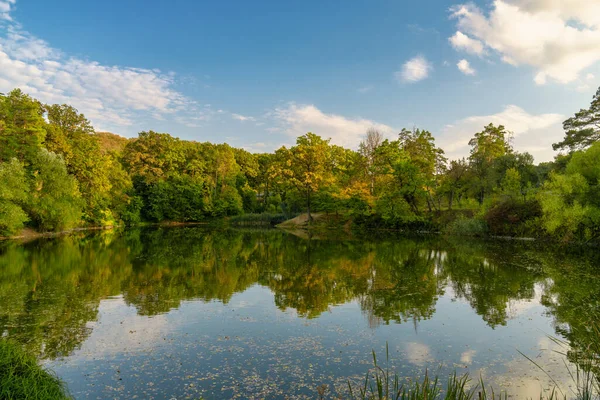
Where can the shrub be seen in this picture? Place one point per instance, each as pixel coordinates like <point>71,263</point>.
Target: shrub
<point>514,218</point>
<point>12,218</point>
<point>467,227</point>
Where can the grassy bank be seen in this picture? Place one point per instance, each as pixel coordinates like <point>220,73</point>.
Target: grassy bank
<point>22,378</point>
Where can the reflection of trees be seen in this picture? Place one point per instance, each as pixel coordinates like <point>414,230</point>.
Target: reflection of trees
<point>489,278</point>
<point>309,276</point>
<point>573,299</point>
<point>187,263</point>
<point>50,289</point>
<point>405,282</point>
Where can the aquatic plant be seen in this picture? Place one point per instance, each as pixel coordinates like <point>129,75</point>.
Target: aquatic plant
<point>381,384</point>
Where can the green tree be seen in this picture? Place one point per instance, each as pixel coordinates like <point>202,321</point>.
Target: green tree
<point>154,156</point>
<point>428,158</point>
<point>455,181</point>
<point>55,202</point>
<point>368,150</point>
<point>13,194</point>
<point>22,126</point>
<point>306,166</point>
<point>71,135</point>
<point>511,183</point>
<point>583,129</point>
<point>486,147</point>
<point>570,200</point>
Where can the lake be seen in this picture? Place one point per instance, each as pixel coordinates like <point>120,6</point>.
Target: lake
<point>189,312</point>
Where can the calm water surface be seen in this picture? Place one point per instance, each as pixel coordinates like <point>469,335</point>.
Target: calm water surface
<point>191,312</point>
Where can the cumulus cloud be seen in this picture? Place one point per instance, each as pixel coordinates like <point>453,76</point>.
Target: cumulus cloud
<point>533,133</point>
<point>465,67</point>
<point>110,96</point>
<point>559,38</point>
<point>414,70</point>
<point>460,41</point>
<point>296,120</point>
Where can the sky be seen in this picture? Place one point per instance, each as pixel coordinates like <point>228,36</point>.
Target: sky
<point>257,74</point>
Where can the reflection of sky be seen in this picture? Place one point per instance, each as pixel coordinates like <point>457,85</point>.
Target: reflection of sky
<point>250,348</point>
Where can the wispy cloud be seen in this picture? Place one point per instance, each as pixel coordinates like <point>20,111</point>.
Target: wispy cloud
<point>242,118</point>
<point>6,6</point>
<point>110,96</point>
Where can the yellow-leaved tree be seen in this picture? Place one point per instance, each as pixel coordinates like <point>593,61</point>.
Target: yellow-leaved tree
<point>307,166</point>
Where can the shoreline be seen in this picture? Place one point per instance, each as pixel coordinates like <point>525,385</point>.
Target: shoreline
<point>302,230</point>
<point>30,234</point>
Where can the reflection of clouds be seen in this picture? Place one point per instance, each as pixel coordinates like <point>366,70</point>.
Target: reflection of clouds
<point>418,353</point>
<point>467,357</point>
<point>523,379</point>
<point>520,307</point>
<point>119,329</point>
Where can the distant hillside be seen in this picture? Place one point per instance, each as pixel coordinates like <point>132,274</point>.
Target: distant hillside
<point>110,142</point>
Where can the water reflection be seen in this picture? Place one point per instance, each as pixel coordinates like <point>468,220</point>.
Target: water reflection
<point>128,288</point>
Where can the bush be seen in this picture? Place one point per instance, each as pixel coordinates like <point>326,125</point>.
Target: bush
<point>408,223</point>
<point>12,218</point>
<point>467,227</point>
<point>22,378</point>
<point>514,218</point>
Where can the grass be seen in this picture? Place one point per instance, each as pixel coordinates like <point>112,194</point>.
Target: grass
<point>22,378</point>
<point>381,384</point>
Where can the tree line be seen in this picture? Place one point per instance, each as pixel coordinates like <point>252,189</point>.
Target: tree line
<point>57,173</point>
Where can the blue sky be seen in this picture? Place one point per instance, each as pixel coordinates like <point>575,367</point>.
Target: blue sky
<point>257,74</point>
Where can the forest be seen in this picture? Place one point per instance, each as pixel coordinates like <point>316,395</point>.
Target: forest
<point>57,173</point>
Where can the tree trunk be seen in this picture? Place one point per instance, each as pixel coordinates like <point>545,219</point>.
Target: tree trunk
<point>308,206</point>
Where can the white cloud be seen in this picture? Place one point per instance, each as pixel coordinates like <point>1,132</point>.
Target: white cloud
<point>585,11</point>
<point>296,120</point>
<point>365,89</point>
<point>414,70</point>
<point>460,41</point>
<point>590,77</point>
<point>110,96</point>
<point>6,6</point>
<point>532,133</point>
<point>465,67</point>
<point>242,118</point>
<point>559,38</point>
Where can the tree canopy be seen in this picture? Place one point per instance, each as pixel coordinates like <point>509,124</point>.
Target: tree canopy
<point>58,173</point>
